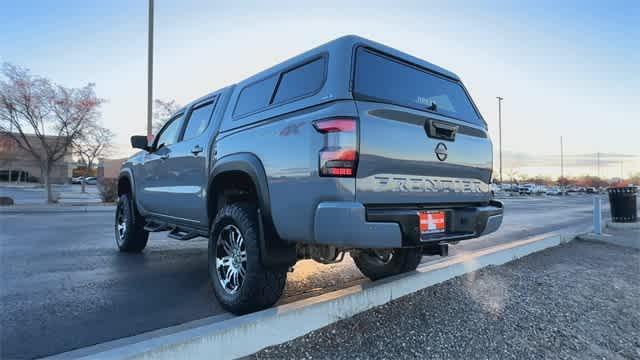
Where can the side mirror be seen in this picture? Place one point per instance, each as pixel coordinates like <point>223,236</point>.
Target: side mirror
<point>140,142</point>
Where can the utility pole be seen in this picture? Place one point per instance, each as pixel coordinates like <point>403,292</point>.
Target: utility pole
<point>561,159</point>
<point>500,132</point>
<point>598,164</point>
<point>561,167</point>
<point>150,72</point>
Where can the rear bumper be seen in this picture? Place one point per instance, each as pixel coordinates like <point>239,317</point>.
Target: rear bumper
<point>350,224</point>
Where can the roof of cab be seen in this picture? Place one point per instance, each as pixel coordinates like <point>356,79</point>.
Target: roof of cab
<point>348,42</point>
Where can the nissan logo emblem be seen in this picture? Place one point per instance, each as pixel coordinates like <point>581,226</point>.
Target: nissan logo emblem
<point>441,151</point>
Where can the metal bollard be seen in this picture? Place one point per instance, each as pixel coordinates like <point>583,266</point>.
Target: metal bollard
<point>597,216</point>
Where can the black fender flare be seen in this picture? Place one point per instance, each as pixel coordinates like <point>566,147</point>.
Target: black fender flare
<point>274,251</point>
<point>126,173</point>
<point>250,165</point>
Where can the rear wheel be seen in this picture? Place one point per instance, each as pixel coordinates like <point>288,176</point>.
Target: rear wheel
<point>129,226</point>
<point>378,264</point>
<point>240,281</point>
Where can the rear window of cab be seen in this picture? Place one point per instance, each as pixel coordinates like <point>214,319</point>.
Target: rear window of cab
<point>291,84</point>
<point>381,78</point>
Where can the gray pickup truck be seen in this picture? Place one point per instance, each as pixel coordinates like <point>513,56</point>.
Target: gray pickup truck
<point>350,147</point>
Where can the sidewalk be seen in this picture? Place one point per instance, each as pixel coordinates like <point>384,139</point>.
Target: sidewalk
<point>73,197</point>
<point>35,194</point>
<point>621,234</point>
<point>24,185</point>
<point>578,300</point>
<point>57,208</point>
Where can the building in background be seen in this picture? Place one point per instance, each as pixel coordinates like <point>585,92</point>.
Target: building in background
<point>23,166</point>
<point>109,168</point>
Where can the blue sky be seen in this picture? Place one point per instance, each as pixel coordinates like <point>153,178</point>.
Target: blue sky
<point>566,69</point>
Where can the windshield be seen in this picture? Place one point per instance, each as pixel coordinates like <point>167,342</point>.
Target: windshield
<point>407,85</point>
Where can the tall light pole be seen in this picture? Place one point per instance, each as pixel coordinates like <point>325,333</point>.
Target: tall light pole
<point>561,159</point>
<point>500,132</point>
<point>150,72</point>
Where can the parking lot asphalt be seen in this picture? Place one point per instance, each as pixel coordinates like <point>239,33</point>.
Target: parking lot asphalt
<point>63,284</point>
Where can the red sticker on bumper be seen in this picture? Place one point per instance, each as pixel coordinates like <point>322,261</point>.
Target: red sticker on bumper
<point>432,222</point>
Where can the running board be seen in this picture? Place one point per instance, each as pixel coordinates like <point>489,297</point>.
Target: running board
<point>152,226</point>
<point>182,235</point>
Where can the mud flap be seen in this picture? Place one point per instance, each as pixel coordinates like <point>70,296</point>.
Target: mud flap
<point>274,252</point>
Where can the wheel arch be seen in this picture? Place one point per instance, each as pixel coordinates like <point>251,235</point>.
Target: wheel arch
<point>242,164</point>
<point>125,183</point>
<point>248,166</point>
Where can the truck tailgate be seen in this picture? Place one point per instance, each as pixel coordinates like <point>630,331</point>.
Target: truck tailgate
<point>399,164</point>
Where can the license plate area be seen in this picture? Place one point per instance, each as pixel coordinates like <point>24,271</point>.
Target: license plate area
<point>432,221</point>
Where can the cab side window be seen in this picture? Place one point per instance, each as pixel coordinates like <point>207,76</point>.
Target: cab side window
<point>255,96</point>
<point>198,120</point>
<point>169,134</point>
<point>292,84</point>
<point>300,81</point>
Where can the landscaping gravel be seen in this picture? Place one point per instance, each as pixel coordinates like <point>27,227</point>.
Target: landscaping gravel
<point>580,300</point>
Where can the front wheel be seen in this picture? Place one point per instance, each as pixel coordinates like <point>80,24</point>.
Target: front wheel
<point>240,281</point>
<point>129,226</point>
<point>377,264</point>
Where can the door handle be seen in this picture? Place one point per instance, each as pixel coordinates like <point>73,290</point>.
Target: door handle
<point>196,150</point>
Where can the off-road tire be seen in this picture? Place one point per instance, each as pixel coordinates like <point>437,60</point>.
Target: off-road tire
<point>135,237</point>
<point>261,287</point>
<point>402,260</point>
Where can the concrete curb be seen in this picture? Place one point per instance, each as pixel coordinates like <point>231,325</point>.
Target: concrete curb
<point>623,226</point>
<point>245,335</point>
<point>628,241</point>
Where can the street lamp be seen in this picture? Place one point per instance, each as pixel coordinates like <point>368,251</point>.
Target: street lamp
<point>561,158</point>
<point>561,166</point>
<point>500,132</point>
<point>150,72</point>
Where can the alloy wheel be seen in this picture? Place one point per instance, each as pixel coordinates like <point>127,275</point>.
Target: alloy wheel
<point>231,259</point>
<point>121,225</point>
<point>383,255</point>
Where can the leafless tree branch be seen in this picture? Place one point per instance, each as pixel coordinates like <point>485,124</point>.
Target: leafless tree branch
<point>162,111</point>
<point>44,119</point>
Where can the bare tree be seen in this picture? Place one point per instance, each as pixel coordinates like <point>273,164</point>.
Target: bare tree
<point>45,118</point>
<point>94,143</point>
<point>162,112</point>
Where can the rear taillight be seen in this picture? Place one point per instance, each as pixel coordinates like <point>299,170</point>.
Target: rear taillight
<point>339,156</point>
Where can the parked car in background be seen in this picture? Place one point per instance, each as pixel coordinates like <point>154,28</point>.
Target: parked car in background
<point>554,191</point>
<point>76,180</point>
<point>509,187</point>
<point>540,189</point>
<point>526,189</point>
<point>90,181</point>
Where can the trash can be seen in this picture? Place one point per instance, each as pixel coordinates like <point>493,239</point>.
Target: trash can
<point>623,204</point>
